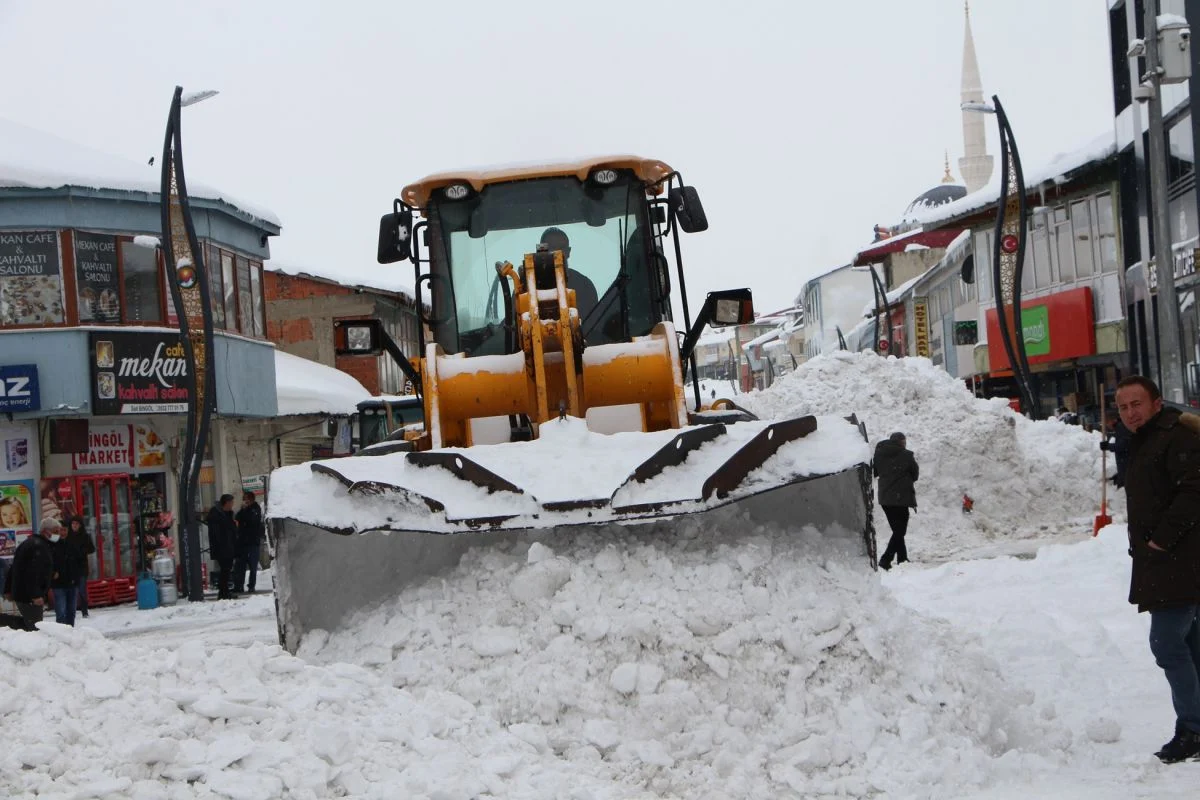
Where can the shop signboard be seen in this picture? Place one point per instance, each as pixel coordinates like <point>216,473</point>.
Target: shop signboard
<point>110,449</point>
<point>138,373</point>
<point>96,277</point>
<point>1058,327</point>
<point>19,389</point>
<point>30,278</point>
<point>921,324</point>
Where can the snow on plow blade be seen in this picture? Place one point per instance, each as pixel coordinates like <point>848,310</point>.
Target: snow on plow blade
<point>804,471</point>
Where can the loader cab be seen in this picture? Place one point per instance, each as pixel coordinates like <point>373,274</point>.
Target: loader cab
<point>601,228</point>
<point>382,418</point>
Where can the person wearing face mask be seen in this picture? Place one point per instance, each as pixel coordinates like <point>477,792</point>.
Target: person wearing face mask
<point>28,579</point>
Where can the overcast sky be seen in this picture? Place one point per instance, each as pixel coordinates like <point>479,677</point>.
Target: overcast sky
<point>802,124</point>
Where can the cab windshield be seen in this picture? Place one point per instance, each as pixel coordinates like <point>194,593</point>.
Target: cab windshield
<point>598,228</point>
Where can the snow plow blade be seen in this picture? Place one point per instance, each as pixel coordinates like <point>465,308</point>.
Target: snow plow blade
<point>350,533</point>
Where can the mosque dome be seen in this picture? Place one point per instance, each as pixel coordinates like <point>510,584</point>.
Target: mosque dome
<point>947,191</point>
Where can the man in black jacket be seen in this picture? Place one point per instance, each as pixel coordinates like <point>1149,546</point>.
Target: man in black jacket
<point>1162,486</point>
<point>249,540</point>
<point>222,544</point>
<point>28,579</point>
<point>897,471</point>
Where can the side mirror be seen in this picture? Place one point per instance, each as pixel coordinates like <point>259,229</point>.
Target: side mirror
<point>687,208</point>
<point>395,236</point>
<point>728,307</point>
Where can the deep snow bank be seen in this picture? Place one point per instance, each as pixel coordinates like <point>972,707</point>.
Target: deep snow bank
<point>693,662</point>
<point>1023,475</point>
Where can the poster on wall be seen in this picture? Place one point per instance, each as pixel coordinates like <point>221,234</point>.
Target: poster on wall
<point>57,498</point>
<point>96,277</point>
<point>138,373</point>
<point>17,514</point>
<point>149,449</point>
<point>30,278</point>
<point>19,456</point>
<point>110,449</point>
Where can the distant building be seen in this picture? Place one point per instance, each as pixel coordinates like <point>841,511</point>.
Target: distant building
<point>303,307</point>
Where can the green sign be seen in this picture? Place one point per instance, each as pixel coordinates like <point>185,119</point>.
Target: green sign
<point>1036,324</point>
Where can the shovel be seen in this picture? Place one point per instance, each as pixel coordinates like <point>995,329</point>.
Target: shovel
<point>1102,518</point>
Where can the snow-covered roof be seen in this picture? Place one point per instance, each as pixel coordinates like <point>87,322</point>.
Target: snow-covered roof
<point>306,387</point>
<point>1097,150</point>
<point>896,295</point>
<point>716,338</point>
<point>763,339</point>
<point>396,278</point>
<point>34,159</point>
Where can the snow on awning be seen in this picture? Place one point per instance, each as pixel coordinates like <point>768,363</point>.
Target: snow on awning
<point>881,250</point>
<point>763,339</point>
<point>306,387</point>
<point>34,159</point>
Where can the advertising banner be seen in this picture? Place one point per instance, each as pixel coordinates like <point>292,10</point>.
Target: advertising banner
<point>921,325</point>
<point>138,373</point>
<point>1056,327</point>
<point>19,389</point>
<point>30,278</point>
<point>18,514</point>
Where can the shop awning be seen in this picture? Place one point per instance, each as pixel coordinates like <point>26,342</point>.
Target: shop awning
<point>878,251</point>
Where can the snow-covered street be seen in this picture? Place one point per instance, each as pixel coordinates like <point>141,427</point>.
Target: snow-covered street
<point>685,659</point>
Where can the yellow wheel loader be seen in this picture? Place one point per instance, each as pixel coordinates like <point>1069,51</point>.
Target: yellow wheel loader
<point>553,393</point>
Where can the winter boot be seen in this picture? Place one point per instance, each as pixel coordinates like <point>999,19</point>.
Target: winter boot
<point>1185,746</point>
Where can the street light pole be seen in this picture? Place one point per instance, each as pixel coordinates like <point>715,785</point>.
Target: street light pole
<point>188,281</point>
<point>1166,302</point>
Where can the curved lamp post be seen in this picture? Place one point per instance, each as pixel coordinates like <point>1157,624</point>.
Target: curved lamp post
<point>1008,254</point>
<point>188,280</point>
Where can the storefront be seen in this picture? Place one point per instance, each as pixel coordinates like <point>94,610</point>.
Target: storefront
<point>1061,346</point>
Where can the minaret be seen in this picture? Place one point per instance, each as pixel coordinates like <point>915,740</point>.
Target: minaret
<point>976,165</point>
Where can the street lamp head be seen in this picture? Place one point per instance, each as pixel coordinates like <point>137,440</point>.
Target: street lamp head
<point>191,98</point>
<point>980,108</point>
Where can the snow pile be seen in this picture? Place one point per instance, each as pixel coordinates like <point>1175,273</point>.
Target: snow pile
<point>1024,476</point>
<point>686,662</point>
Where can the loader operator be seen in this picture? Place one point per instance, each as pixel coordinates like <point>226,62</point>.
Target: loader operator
<point>585,290</point>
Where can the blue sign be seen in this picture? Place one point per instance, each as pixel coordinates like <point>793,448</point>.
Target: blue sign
<point>19,388</point>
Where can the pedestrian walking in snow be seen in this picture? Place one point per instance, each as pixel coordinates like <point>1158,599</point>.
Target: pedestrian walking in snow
<point>249,540</point>
<point>222,544</point>
<point>81,542</point>
<point>1162,486</point>
<point>28,581</point>
<point>68,554</point>
<point>1119,447</point>
<point>897,470</point>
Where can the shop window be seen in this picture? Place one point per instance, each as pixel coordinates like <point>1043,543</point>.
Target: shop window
<point>1181,153</point>
<point>1081,226</point>
<point>31,290</point>
<point>216,292</point>
<point>983,265</point>
<point>1039,249</point>
<point>245,299</point>
<point>97,277</point>
<point>143,295</point>
<point>256,292</point>
<point>1064,250</point>
<point>1106,233</point>
<point>230,294</point>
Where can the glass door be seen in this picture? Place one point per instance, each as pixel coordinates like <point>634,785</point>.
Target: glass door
<point>106,544</point>
<point>87,494</point>
<point>126,529</point>
<point>107,507</point>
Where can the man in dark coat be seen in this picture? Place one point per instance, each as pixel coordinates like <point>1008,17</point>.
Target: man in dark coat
<point>68,553</point>
<point>897,471</point>
<point>81,542</point>
<point>28,579</point>
<point>249,540</point>
<point>222,544</point>
<point>1162,486</point>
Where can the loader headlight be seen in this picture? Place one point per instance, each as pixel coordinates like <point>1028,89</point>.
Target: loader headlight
<point>604,176</point>
<point>456,191</point>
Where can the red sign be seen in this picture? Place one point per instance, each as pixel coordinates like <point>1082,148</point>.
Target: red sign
<point>884,344</point>
<point>110,449</point>
<point>1056,327</point>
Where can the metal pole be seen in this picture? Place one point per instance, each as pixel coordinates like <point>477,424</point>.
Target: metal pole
<point>1166,302</point>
